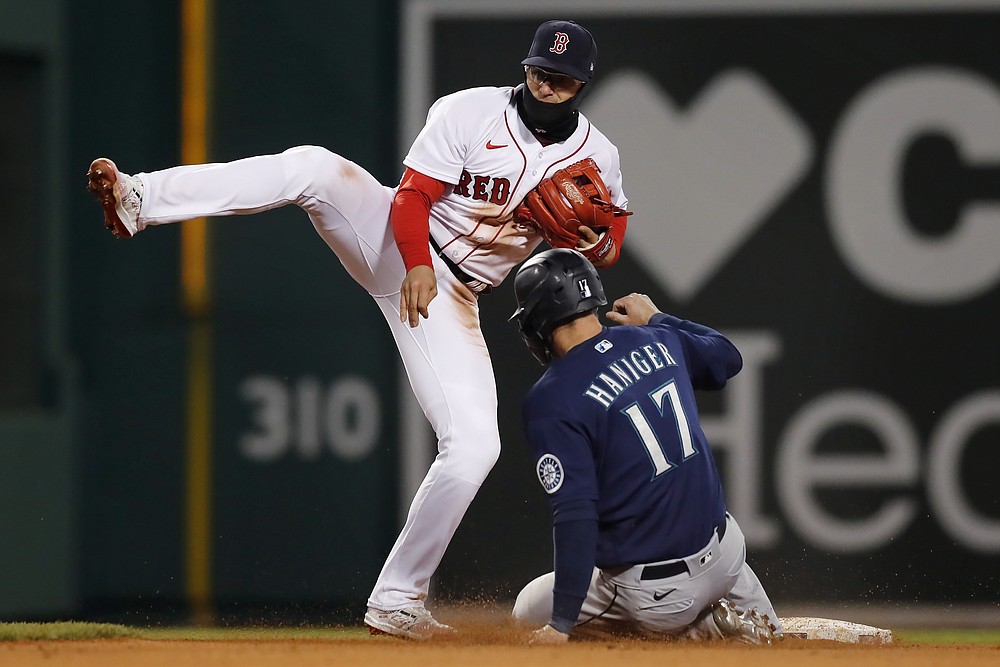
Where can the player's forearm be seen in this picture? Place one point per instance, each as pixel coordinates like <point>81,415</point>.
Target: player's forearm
<point>607,250</point>
<point>410,228</point>
<point>683,325</point>
<point>714,359</point>
<point>575,543</point>
<point>410,215</point>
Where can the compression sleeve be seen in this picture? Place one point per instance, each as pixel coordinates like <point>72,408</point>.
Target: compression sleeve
<point>410,215</point>
<point>574,538</point>
<point>608,248</point>
<point>617,232</point>
<point>613,179</point>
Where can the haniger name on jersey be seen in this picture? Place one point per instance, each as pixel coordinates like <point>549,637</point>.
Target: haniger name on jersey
<point>626,371</point>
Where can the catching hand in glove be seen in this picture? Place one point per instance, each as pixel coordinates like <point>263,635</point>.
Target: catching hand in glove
<point>573,209</point>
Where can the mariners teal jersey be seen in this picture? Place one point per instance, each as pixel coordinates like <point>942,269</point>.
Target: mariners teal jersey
<point>615,422</point>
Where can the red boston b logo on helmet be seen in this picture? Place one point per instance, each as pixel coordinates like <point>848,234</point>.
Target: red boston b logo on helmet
<point>559,46</point>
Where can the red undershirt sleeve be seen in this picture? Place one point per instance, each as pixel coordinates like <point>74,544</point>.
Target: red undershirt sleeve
<point>617,232</point>
<point>410,215</point>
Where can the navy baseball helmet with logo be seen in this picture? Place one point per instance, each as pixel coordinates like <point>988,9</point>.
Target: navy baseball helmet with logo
<point>552,287</point>
<point>565,47</point>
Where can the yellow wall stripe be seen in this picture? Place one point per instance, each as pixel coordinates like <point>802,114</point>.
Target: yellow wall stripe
<point>196,301</point>
<point>194,148</point>
<point>199,474</point>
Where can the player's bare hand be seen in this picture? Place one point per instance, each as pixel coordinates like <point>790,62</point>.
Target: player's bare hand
<point>417,291</point>
<point>547,636</point>
<point>588,238</point>
<point>635,309</point>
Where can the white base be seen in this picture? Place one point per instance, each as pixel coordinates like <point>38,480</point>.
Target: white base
<point>807,627</point>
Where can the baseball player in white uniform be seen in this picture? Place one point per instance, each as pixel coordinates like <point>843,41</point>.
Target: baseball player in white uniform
<point>428,249</point>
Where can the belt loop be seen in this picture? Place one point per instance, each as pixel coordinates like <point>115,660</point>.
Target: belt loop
<point>437,248</point>
<point>474,284</point>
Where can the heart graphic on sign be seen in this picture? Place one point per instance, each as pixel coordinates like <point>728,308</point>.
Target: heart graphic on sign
<point>703,179</point>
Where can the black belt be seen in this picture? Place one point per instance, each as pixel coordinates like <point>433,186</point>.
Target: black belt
<point>667,570</point>
<point>475,284</point>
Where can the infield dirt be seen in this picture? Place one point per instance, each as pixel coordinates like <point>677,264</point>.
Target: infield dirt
<point>486,639</point>
<point>485,651</point>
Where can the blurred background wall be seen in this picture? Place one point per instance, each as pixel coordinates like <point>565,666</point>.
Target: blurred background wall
<point>820,180</point>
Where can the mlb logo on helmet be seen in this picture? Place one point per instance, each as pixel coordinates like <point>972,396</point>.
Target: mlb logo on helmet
<point>584,288</point>
<point>565,47</point>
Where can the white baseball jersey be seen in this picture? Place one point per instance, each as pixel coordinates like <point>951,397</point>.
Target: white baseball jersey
<point>475,140</point>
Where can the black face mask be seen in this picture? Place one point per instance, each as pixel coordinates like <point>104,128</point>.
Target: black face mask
<point>554,122</point>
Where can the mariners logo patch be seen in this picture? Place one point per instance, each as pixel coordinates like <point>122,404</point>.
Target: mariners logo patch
<point>550,472</point>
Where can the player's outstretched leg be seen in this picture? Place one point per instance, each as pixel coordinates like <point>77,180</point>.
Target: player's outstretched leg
<point>120,195</point>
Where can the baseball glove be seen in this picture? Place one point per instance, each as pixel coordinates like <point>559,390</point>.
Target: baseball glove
<point>574,195</point>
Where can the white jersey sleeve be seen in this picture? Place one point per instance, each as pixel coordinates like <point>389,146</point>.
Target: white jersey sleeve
<point>454,123</point>
<point>611,174</point>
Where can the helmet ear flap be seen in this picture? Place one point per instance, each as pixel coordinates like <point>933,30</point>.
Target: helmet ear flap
<point>538,348</point>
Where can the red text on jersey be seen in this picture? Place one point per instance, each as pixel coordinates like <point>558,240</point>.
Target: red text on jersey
<point>484,188</point>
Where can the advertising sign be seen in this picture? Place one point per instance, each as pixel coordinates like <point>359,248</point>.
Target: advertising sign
<point>820,181</point>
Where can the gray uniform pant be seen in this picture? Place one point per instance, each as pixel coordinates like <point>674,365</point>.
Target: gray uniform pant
<point>622,602</point>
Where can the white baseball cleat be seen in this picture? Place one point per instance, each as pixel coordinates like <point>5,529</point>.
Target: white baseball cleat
<point>748,627</point>
<point>410,623</point>
<point>120,195</point>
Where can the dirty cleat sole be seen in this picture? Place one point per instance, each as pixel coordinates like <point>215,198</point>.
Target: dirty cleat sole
<point>106,183</point>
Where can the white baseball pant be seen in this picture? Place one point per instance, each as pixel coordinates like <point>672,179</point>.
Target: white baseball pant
<point>445,357</point>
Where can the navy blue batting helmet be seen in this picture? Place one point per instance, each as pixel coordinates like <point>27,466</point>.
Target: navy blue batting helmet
<point>552,287</point>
